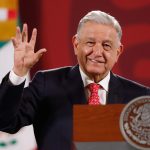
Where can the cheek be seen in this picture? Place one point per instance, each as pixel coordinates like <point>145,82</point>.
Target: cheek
<point>81,55</point>
<point>88,51</point>
<point>110,58</point>
<point>83,52</point>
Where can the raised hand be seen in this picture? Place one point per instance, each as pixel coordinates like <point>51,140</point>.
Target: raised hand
<point>24,55</point>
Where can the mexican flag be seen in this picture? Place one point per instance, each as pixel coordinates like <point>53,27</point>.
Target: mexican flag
<point>24,139</point>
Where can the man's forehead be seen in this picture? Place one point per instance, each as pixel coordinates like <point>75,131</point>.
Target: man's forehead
<point>98,39</point>
<point>98,35</point>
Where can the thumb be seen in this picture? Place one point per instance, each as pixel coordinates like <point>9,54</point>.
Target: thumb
<point>39,53</point>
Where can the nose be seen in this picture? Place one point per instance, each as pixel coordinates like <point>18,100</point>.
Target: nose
<point>98,49</point>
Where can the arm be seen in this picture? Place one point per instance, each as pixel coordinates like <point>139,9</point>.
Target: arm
<point>18,105</point>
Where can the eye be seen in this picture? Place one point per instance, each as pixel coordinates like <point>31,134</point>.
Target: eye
<point>90,43</point>
<point>107,46</point>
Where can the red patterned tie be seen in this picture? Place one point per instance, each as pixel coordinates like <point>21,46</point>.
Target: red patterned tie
<point>94,97</point>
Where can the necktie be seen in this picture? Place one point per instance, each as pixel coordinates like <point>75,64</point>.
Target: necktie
<point>94,97</point>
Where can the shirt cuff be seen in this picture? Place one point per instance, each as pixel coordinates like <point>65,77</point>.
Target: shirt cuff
<point>15,79</point>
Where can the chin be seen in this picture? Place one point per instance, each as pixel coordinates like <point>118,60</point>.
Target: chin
<point>96,71</point>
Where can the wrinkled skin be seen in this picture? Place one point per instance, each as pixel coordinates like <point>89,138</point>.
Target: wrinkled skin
<point>97,48</point>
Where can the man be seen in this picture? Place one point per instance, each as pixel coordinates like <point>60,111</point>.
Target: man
<point>48,101</point>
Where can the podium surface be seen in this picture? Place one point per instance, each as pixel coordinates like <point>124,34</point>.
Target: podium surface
<point>97,127</point>
<point>97,123</point>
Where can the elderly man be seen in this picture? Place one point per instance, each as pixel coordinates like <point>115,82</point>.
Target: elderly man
<point>48,101</point>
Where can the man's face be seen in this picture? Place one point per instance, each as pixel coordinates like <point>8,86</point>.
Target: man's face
<point>97,48</point>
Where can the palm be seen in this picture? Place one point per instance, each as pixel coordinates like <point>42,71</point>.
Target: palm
<point>24,55</point>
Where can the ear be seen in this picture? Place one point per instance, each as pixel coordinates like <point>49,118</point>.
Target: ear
<point>119,51</point>
<point>75,44</point>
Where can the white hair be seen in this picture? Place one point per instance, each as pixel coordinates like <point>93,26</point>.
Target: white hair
<point>101,18</point>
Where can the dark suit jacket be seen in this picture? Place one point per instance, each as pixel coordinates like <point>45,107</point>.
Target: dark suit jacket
<point>48,101</point>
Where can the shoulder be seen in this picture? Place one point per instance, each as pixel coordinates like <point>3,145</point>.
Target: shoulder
<point>132,85</point>
<point>60,70</point>
<point>52,74</point>
<point>54,70</point>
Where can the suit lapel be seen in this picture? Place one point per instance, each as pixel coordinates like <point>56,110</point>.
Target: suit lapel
<point>74,87</point>
<point>115,94</point>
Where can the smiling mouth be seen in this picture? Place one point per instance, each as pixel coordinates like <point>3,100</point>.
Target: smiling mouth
<point>95,61</point>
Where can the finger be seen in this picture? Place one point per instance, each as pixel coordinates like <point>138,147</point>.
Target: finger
<point>39,53</point>
<point>14,42</point>
<point>25,33</point>
<point>33,37</point>
<point>18,35</point>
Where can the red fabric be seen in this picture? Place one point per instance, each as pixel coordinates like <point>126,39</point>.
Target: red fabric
<point>57,23</point>
<point>12,14</point>
<point>94,97</point>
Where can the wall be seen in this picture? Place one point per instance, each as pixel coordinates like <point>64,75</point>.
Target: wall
<point>57,20</point>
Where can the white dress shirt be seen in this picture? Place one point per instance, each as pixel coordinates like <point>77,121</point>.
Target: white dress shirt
<point>15,79</point>
<point>103,92</point>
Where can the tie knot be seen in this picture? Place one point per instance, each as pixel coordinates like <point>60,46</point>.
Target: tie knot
<point>93,87</point>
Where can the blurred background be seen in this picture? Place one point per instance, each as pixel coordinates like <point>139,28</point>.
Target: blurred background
<point>56,22</point>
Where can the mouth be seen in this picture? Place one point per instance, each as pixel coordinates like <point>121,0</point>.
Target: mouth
<point>95,60</point>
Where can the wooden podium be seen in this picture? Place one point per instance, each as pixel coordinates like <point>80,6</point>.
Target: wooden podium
<point>97,123</point>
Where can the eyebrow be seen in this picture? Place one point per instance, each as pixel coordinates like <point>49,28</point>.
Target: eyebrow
<point>93,39</point>
<point>89,38</point>
<point>108,41</point>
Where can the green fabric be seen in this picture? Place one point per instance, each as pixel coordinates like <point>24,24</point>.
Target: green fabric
<point>2,44</point>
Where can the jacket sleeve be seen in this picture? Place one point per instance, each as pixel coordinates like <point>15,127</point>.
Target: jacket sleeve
<point>18,105</point>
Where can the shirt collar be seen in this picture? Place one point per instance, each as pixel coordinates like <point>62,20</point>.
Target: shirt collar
<point>86,80</point>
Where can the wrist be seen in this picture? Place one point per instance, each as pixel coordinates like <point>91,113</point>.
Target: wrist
<point>15,79</point>
<point>20,72</point>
